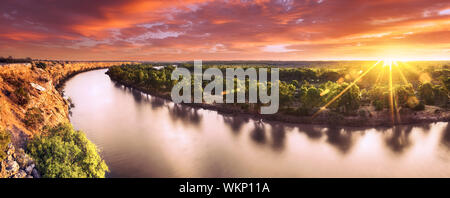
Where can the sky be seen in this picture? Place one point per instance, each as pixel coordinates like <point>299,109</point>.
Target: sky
<point>185,30</point>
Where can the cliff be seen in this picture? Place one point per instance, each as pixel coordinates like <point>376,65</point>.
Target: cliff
<point>29,98</point>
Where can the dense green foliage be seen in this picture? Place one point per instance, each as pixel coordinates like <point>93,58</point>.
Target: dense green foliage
<point>62,152</point>
<point>143,76</point>
<point>433,94</point>
<point>5,139</point>
<point>446,82</point>
<point>303,91</point>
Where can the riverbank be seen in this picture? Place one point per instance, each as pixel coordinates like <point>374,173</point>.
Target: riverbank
<point>367,116</point>
<point>31,98</point>
<point>25,86</point>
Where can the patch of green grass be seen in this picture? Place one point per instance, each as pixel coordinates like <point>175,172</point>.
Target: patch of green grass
<point>5,139</point>
<point>21,96</point>
<point>33,117</point>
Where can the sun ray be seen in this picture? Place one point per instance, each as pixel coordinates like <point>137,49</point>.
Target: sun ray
<point>380,76</point>
<point>391,94</point>
<point>345,90</point>
<point>401,75</point>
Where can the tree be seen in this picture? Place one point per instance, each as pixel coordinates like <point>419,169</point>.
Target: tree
<point>62,152</point>
<point>446,82</point>
<point>312,98</point>
<point>426,93</point>
<point>403,93</point>
<point>379,96</point>
<point>286,92</point>
<point>348,102</point>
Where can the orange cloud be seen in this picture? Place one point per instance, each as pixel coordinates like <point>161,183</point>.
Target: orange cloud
<point>232,29</point>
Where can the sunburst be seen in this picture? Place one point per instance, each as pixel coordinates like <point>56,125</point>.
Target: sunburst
<point>387,65</point>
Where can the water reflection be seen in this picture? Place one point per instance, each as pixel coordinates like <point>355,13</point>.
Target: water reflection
<point>312,131</point>
<point>278,133</point>
<point>340,138</point>
<point>258,134</point>
<point>446,137</point>
<point>156,102</point>
<point>186,114</point>
<point>145,136</point>
<point>235,123</point>
<point>398,138</point>
<point>137,95</point>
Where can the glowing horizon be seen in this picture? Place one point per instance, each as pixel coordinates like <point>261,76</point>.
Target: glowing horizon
<point>173,30</point>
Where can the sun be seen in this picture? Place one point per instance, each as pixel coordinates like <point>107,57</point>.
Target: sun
<point>391,61</point>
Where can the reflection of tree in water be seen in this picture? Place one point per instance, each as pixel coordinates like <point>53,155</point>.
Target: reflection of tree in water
<point>117,84</point>
<point>340,138</point>
<point>137,95</point>
<point>446,136</point>
<point>235,123</point>
<point>399,139</point>
<point>278,133</point>
<point>185,114</point>
<point>311,131</point>
<point>156,102</point>
<point>258,134</point>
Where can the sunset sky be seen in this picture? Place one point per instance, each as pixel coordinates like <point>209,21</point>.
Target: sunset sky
<point>225,30</point>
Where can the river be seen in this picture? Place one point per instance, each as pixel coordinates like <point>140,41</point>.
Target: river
<point>144,136</point>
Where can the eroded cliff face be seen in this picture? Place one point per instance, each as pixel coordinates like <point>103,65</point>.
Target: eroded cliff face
<point>29,99</point>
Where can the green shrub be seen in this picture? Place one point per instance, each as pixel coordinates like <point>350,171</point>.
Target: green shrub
<point>5,139</point>
<point>403,93</point>
<point>33,117</point>
<point>21,96</point>
<point>41,65</point>
<point>446,82</point>
<point>346,103</point>
<point>62,152</point>
<point>426,93</point>
<point>433,94</point>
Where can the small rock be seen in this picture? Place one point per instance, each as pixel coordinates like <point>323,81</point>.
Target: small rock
<point>12,167</point>
<point>10,149</point>
<point>29,169</point>
<point>9,158</point>
<point>20,174</point>
<point>35,173</point>
<point>23,160</point>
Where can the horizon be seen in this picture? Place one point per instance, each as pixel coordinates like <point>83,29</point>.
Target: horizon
<point>263,30</point>
<point>231,60</point>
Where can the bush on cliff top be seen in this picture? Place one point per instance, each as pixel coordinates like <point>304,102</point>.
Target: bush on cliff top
<point>41,65</point>
<point>62,152</point>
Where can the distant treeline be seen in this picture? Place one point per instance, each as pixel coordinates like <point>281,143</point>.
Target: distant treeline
<point>10,59</point>
<point>304,91</point>
<point>255,63</point>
